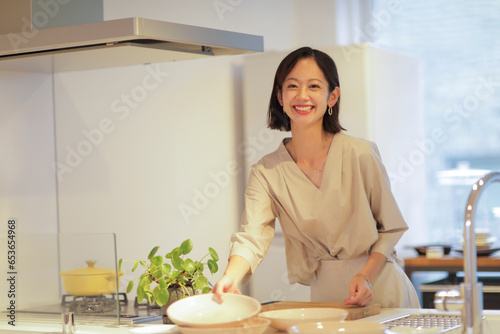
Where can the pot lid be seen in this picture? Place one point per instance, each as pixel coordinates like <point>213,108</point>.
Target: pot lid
<point>90,270</point>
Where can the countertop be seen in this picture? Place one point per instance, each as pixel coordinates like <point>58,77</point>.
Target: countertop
<point>55,327</point>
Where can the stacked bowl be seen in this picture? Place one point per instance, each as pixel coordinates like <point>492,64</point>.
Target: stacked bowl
<point>204,314</point>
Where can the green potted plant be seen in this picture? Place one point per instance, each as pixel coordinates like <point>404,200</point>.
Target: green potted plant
<point>168,278</point>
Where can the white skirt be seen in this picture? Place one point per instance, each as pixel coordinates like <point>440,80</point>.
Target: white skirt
<point>391,287</point>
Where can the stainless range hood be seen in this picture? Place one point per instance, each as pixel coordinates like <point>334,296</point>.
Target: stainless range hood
<point>119,42</point>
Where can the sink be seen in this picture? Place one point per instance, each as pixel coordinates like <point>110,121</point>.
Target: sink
<point>452,320</point>
<point>450,323</point>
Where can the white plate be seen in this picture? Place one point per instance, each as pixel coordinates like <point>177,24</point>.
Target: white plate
<point>483,242</point>
<point>251,326</point>
<point>155,329</point>
<point>284,319</point>
<point>414,330</point>
<point>206,310</point>
<point>341,327</point>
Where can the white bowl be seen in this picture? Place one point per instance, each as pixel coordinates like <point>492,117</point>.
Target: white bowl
<point>488,242</point>
<point>206,310</point>
<point>283,319</point>
<point>343,327</point>
<point>414,330</point>
<point>250,326</point>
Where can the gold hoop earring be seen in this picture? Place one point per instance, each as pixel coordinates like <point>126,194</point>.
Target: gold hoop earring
<point>330,111</point>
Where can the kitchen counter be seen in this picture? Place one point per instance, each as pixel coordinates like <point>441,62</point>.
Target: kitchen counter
<point>52,326</point>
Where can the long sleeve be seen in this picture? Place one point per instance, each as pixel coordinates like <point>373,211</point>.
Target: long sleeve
<point>390,222</point>
<point>257,226</point>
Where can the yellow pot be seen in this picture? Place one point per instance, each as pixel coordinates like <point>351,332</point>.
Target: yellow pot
<point>90,281</point>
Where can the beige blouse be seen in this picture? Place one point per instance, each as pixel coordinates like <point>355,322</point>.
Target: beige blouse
<point>351,214</point>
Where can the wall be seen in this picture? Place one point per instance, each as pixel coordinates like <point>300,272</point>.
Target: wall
<point>126,166</point>
<point>157,165</point>
<point>154,165</point>
<point>27,184</point>
<point>137,146</point>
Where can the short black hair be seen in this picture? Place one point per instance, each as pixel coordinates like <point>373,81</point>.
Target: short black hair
<point>277,119</point>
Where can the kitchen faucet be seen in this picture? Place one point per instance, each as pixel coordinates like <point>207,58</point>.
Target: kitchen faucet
<point>471,291</point>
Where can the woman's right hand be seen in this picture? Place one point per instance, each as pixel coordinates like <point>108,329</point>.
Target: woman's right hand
<point>225,285</point>
<point>236,269</point>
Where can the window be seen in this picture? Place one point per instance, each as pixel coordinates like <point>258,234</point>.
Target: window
<point>460,49</point>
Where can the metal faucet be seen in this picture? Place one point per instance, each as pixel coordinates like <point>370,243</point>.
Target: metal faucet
<point>471,291</point>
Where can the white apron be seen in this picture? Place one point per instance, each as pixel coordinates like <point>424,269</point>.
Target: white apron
<point>391,287</point>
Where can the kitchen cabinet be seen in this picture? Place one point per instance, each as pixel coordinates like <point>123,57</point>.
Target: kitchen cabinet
<point>381,100</point>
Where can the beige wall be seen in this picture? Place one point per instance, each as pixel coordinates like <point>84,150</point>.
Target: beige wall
<point>128,168</point>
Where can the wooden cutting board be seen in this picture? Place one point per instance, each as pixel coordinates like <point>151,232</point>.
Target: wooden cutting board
<point>355,312</point>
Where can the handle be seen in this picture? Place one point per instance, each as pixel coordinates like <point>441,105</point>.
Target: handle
<point>68,322</point>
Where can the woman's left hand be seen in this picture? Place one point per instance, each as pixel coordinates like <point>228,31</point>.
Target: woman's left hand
<point>359,291</point>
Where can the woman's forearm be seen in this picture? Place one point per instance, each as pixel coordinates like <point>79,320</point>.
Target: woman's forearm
<point>360,288</point>
<point>373,265</point>
<point>237,268</point>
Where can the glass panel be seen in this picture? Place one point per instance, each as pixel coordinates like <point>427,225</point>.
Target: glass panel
<point>458,43</point>
<point>51,274</point>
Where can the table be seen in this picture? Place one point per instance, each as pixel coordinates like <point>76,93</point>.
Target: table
<point>453,264</point>
<point>450,264</point>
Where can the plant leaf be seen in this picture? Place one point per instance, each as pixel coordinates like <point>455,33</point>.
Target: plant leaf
<point>166,268</point>
<point>162,283</point>
<point>186,246</point>
<point>201,283</point>
<point>174,275</point>
<point>135,266</point>
<point>177,262</point>
<point>213,254</point>
<point>189,266</point>
<point>206,289</point>
<point>157,260</point>
<point>161,295</point>
<point>140,294</point>
<point>176,252</point>
<point>120,265</point>
<point>130,286</point>
<point>212,265</point>
<point>149,295</point>
<point>145,280</point>
<point>157,272</point>
<point>153,252</point>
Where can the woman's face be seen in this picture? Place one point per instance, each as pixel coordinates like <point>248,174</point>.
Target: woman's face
<point>304,96</point>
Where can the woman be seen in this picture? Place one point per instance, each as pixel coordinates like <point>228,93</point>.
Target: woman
<point>330,193</point>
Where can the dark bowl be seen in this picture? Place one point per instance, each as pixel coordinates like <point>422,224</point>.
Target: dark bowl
<point>422,250</point>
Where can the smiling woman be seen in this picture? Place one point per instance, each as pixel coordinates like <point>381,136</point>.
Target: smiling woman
<point>327,75</point>
<point>330,193</point>
<point>306,92</point>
